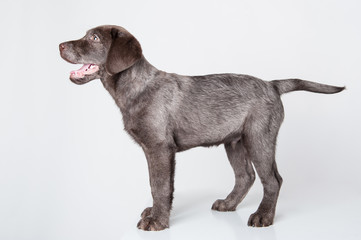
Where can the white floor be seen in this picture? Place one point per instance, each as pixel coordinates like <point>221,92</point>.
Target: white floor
<point>314,213</point>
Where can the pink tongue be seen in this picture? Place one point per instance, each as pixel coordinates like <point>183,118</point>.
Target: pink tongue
<point>85,69</point>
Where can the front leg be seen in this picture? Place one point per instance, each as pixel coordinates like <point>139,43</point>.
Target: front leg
<point>161,164</point>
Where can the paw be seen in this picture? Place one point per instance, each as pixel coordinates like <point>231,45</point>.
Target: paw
<point>146,212</point>
<point>151,224</point>
<point>223,206</point>
<point>258,219</point>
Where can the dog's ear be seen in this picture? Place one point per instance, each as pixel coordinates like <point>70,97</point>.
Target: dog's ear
<point>124,51</point>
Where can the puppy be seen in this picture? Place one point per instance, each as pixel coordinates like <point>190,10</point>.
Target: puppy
<point>167,113</point>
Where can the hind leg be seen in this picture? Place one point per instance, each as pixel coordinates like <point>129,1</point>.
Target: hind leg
<point>272,182</point>
<point>261,146</point>
<point>244,175</point>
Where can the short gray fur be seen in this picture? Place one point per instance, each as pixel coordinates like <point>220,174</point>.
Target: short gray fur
<point>167,113</point>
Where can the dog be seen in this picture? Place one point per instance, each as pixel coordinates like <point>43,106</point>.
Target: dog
<point>167,113</point>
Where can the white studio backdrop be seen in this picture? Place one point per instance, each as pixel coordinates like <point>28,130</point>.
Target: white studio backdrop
<point>69,171</point>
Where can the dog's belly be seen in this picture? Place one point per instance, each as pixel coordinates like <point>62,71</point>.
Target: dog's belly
<point>208,130</point>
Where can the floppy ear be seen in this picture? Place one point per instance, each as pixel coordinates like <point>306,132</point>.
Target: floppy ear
<point>124,51</point>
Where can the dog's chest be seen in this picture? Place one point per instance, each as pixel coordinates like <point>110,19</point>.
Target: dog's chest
<point>135,124</point>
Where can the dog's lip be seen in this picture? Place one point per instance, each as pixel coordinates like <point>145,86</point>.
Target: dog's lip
<point>63,56</point>
<point>79,81</point>
<point>86,69</point>
<point>68,60</point>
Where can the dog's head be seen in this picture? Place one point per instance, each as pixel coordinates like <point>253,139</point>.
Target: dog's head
<point>103,50</point>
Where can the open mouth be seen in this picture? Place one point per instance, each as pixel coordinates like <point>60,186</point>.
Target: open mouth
<point>86,69</point>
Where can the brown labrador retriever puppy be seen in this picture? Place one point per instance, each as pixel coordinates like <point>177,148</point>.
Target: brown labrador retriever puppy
<point>167,113</point>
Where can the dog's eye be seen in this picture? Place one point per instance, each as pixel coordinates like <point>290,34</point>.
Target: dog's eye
<point>95,38</point>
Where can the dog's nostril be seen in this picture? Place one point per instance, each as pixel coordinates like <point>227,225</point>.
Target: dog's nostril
<point>61,46</point>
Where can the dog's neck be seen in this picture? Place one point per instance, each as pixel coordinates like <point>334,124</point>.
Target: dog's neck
<point>127,85</point>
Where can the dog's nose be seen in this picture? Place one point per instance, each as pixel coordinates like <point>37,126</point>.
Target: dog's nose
<point>61,46</point>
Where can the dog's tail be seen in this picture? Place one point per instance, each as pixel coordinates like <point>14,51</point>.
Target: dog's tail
<point>289,85</point>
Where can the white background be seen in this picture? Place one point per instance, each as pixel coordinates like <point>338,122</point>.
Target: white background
<point>69,171</point>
